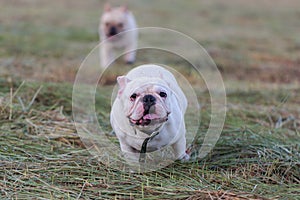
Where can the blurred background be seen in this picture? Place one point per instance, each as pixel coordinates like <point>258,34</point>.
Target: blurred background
<point>250,41</point>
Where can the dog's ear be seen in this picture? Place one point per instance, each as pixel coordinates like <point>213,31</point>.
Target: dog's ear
<point>122,81</point>
<point>124,8</point>
<point>107,7</point>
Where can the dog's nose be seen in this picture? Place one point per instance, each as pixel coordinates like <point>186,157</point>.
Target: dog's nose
<point>112,31</point>
<point>149,100</point>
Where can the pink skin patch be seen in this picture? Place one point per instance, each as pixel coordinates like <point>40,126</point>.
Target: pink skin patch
<point>151,116</point>
<point>148,119</point>
<point>137,111</point>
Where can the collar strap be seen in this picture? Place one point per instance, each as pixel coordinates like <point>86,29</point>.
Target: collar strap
<point>144,147</point>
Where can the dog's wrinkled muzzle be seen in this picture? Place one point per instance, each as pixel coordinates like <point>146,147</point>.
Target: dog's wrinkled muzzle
<point>148,119</point>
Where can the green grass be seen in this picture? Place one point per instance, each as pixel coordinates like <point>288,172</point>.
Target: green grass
<point>254,44</point>
<point>46,41</point>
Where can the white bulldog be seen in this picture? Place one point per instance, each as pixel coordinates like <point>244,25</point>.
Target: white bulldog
<point>149,104</point>
<point>113,21</point>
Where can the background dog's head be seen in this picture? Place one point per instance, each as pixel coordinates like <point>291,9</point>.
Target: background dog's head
<point>114,20</point>
<point>146,101</point>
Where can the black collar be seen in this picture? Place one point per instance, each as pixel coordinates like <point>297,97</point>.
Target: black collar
<point>144,147</point>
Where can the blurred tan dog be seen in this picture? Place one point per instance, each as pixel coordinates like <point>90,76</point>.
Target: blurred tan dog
<point>150,104</point>
<point>114,21</point>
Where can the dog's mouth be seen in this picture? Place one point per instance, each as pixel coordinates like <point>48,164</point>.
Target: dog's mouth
<point>113,37</point>
<point>148,119</point>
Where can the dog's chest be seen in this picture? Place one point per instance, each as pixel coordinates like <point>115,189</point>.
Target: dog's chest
<point>155,143</point>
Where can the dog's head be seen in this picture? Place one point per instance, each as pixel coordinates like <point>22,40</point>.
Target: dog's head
<point>114,20</point>
<point>146,102</point>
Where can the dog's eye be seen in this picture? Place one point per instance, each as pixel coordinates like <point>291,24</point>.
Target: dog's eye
<point>120,25</point>
<point>163,94</point>
<point>107,24</point>
<point>133,96</point>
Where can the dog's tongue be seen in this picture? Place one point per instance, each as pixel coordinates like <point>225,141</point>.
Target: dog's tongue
<point>151,116</point>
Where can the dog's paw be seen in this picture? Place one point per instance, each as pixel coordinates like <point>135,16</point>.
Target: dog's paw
<point>129,62</point>
<point>184,158</point>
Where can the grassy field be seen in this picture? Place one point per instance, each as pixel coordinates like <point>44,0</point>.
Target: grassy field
<point>256,47</point>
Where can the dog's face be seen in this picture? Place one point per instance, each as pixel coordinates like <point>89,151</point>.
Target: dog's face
<point>146,102</point>
<point>114,21</point>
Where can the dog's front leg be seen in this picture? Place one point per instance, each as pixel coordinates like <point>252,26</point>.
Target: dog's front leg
<point>130,153</point>
<point>131,53</point>
<point>179,148</point>
<point>106,55</point>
